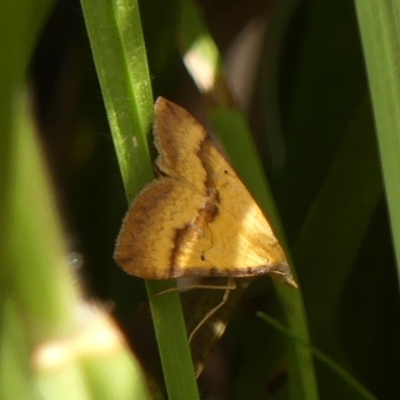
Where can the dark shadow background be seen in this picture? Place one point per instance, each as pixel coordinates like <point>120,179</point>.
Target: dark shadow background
<point>319,50</point>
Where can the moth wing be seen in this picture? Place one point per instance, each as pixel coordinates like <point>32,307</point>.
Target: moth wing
<point>198,220</point>
<point>146,242</point>
<point>188,154</point>
<point>166,233</point>
<point>177,136</point>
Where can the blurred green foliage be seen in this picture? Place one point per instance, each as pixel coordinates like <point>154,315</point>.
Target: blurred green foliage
<point>319,151</point>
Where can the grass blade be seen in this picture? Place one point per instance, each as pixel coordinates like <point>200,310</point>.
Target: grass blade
<point>379,23</point>
<point>119,52</point>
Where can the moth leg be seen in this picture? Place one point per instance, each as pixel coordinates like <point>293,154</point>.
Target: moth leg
<point>230,286</point>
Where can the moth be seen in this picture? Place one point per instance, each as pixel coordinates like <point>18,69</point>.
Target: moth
<point>197,219</point>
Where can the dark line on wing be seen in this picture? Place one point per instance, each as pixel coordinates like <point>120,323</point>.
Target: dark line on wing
<point>206,214</point>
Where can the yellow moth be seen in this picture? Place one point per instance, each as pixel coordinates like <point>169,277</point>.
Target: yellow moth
<point>197,219</point>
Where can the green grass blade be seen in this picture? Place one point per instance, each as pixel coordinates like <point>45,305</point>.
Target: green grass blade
<point>318,254</point>
<point>119,52</point>
<point>60,330</point>
<point>379,23</point>
<point>21,22</point>
<point>348,378</point>
<point>40,301</point>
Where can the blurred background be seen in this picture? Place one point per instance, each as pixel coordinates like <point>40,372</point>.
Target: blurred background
<point>296,69</point>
